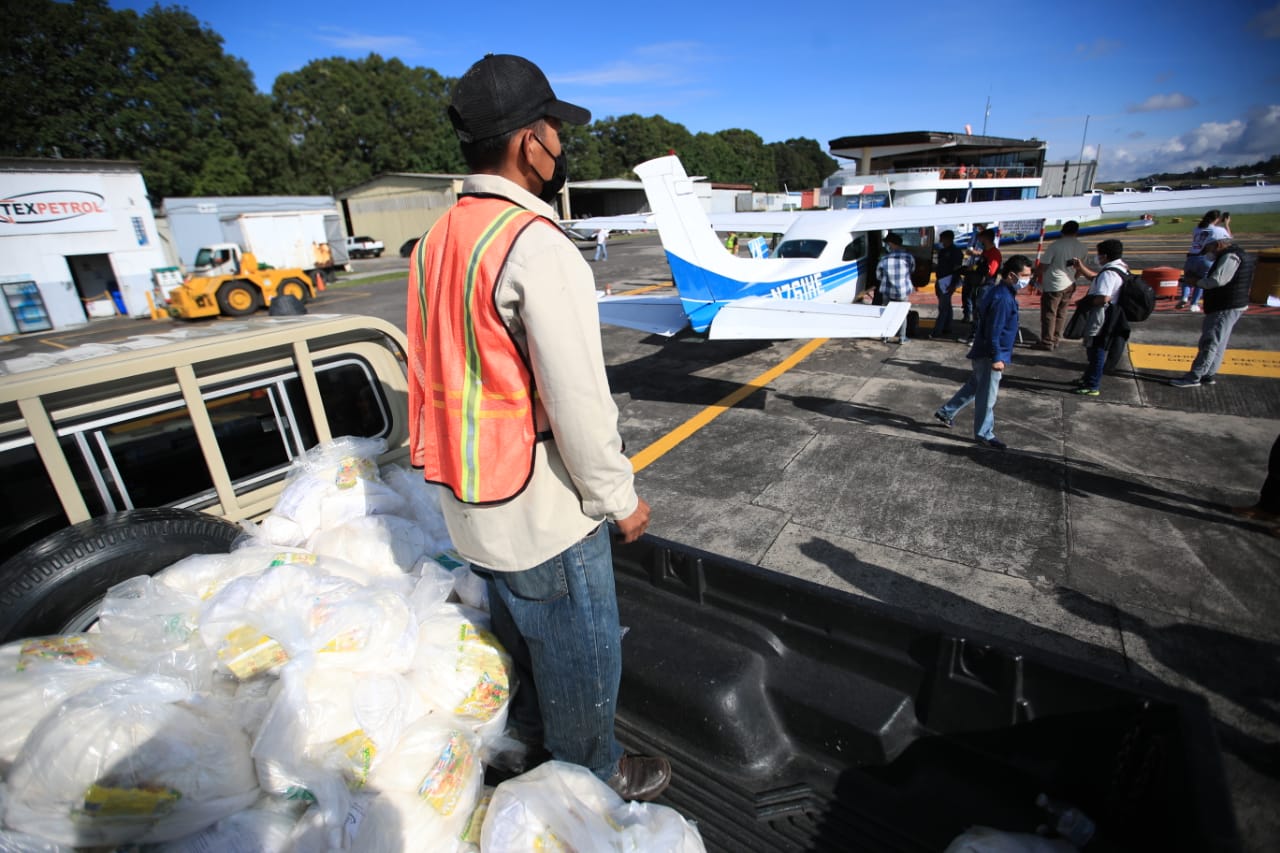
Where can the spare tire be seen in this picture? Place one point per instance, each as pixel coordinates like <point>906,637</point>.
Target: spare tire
<point>286,305</point>
<point>56,585</point>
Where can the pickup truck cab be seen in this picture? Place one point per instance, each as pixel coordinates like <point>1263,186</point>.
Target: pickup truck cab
<point>198,424</point>
<point>364,247</point>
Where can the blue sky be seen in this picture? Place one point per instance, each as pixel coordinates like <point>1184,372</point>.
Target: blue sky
<point>1165,85</point>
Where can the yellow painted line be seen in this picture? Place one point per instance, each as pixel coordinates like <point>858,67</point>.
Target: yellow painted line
<point>654,451</point>
<point>646,289</point>
<point>1238,362</point>
<point>54,343</point>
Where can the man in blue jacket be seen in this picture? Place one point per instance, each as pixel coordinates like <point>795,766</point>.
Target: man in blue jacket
<point>991,352</point>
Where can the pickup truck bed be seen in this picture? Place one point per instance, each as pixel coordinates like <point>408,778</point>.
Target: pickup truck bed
<point>799,717</point>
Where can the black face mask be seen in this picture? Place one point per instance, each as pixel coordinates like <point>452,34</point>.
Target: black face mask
<point>551,186</point>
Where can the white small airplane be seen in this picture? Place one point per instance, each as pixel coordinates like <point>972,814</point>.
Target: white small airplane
<point>808,286</point>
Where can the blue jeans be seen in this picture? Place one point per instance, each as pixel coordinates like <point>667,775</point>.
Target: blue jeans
<point>1189,294</point>
<point>981,388</point>
<point>1095,360</point>
<point>942,325</point>
<point>559,622</point>
<point>1215,331</point>
<point>602,252</point>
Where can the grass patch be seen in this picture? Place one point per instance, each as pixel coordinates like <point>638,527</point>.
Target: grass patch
<point>338,284</point>
<point>1241,223</point>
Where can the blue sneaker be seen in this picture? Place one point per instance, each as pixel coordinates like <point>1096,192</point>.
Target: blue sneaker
<point>994,443</point>
<point>944,420</point>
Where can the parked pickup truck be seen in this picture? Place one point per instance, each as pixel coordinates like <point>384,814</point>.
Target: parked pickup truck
<point>364,247</point>
<point>797,717</point>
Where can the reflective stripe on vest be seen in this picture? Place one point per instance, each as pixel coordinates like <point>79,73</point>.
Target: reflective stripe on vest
<point>471,391</point>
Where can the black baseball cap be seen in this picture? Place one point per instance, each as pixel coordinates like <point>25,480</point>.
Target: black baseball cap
<point>503,92</point>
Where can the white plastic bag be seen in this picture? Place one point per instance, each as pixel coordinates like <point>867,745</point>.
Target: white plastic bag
<point>461,670</point>
<point>327,730</point>
<point>263,828</point>
<point>130,761</point>
<point>422,504</point>
<point>148,628</point>
<point>559,806</point>
<point>384,546</point>
<point>428,787</point>
<point>335,482</point>
<point>984,839</point>
<point>37,674</point>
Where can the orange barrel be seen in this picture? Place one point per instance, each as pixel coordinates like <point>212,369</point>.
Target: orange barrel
<point>1163,280</point>
<point>1266,276</point>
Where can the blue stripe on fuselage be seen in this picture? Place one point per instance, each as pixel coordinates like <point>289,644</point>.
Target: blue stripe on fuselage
<point>703,293</point>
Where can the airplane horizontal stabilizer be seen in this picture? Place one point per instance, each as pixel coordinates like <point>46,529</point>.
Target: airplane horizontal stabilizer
<point>765,318</point>
<point>659,314</point>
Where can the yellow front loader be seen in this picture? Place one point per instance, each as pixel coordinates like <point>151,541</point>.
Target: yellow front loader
<point>239,293</point>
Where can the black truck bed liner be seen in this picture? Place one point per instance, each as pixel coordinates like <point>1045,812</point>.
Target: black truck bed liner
<point>799,717</point>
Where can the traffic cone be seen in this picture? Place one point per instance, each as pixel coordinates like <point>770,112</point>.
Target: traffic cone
<point>319,281</point>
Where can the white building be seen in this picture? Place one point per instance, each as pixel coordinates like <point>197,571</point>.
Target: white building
<point>77,240</point>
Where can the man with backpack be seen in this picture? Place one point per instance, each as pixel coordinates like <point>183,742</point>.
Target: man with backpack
<point>1104,320</point>
<point>1226,295</point>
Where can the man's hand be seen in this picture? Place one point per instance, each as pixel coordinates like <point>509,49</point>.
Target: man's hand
<point>633,526</point>
<point>997,365</point>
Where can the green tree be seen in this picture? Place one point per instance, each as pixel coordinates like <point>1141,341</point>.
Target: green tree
<point>349,120</point>
<point>82,80</point>
<point>584,149</point>
<point>631,139</point>
<point>752,162</point>
<point>801,164</point>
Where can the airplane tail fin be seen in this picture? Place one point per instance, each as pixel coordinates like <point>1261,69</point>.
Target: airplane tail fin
<point>698,260</point>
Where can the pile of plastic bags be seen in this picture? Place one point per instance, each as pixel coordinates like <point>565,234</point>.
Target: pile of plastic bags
<point>331,684</point>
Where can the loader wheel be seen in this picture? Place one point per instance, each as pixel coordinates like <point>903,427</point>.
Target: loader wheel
<point>238,298</point>
<point>296,288</point>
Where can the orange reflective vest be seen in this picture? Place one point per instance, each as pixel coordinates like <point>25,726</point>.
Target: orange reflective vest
<point>471,412</point>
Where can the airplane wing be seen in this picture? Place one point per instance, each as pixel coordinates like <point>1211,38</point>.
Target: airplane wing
<point>1190,201</point>
<point>659,314</point>
<point>766,318</point>
<point>622,222</point>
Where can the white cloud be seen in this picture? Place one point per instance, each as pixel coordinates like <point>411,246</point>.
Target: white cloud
<point>1098,47</point>
<point>1231,143</point>
<point>1171,101</point>
<point>660,63</point>
<point>369,43</point>
<point>1267,23</point>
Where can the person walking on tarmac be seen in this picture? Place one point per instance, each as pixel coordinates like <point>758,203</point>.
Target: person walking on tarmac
<point>511,413</point>
<point>992,351</point>
<point>1226,295</point>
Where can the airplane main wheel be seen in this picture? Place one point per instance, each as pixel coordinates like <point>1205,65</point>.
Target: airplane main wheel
<point>238,298</point>
<point>295,287</point>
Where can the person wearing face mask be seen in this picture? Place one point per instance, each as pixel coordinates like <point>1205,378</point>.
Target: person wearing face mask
<point>1105,321</point>
<point>511,415</point>
<point>991,353</point>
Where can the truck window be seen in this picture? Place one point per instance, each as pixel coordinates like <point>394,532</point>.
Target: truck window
<point>150,456</point>
<point>29,506</point>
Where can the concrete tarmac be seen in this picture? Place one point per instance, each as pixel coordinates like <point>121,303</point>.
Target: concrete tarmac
<point>1103,533</point>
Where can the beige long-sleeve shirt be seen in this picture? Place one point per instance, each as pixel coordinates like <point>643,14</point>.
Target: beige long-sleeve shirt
<point>546,296</point>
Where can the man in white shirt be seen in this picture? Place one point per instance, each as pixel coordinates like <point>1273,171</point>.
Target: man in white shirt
<point>511,412</point>
<point>1104,314</point>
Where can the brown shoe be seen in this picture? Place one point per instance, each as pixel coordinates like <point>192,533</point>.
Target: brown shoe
<point>641,777</point>
<point>1257,513</point>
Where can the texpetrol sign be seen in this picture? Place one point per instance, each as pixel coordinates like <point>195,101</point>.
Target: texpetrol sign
<point>48,204</point>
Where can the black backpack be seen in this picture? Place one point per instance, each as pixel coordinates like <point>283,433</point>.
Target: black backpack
<point>1137,299</point>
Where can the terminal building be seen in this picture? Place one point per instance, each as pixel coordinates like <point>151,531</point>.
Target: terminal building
<point>925,167</point>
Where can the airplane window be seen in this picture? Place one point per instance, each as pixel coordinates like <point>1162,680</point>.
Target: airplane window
<point>801,248</point>
<point>856,249</point>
